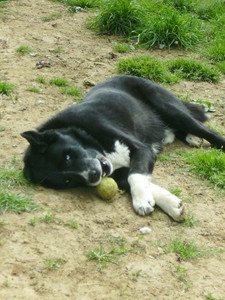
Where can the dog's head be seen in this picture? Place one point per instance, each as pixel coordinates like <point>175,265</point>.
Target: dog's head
<point>64,159</point>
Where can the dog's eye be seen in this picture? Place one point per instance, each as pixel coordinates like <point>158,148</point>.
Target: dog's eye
<point>68,157</point>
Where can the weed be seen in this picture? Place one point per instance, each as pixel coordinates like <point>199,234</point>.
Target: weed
<point>52,17</point>
<point>58,50</point>
<point>122,48</point>
<point>60,82</point>
<point>12,177</point>
<point>16,202</point>
<point>118,17</point>
<point>71,91</point>
<point>181,273</point>
<point>2,128</point>
<point>136,275</point>
<point>23,49</point>
<point>6,88</point>
<point>221,66</point>
<point>32,221</point>
<point>189,220</point>
<point>33,89</point>
<point>146,67</point>
<point>48,217</point>
<point>6,283</point>
<point>168,28</point>
<point>103,256</point>
<point>41,80</point>
<point>55,263</point>
<point>73,4</point>
<point>209,164</point>
<point>177,192</point>
<point>192,69</point>
<point>216,51</point>
<point>72,224</point>
<point>184,250</point>
<point>110,255</point>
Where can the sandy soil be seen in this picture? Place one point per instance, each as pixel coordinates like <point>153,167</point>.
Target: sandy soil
<point>147,271</point>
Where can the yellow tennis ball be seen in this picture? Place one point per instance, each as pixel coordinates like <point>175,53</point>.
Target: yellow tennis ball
<point>107,188</point>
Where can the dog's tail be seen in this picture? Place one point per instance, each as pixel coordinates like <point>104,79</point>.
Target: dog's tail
<point>197,111</point>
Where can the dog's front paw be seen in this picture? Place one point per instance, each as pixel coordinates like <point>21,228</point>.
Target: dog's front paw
<point>143,205</point>
<point>142,199</point>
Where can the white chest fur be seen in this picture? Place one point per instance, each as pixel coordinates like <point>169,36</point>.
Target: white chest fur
<point>120,157</point>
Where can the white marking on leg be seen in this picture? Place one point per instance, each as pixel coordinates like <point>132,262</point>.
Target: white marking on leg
<point>120,157</point>
<point>169,136</point>
<point>168,202</point>
<point>142,198</point>
<point>193,140</point>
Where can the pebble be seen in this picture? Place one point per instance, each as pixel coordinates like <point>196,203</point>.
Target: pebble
<point>145,230</point>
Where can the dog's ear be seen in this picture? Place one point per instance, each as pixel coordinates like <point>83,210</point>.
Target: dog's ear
<point>36,140</point>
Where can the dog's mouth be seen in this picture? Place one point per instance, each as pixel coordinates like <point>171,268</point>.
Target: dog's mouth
<point>106,166</point>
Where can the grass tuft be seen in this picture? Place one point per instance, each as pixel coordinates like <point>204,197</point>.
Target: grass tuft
<point>146,67</point>
<point>24,49</point>
<point>6,88</point>
<point>117,17</point>
<point>12,177</point>
<point>184,250</point>
<point>192,69</point>
<point>16,202</point>
<point>121,48</point>
<point>60,82</point>
<point>169,28</point>
<point>208,164</point>
<point>72,91</point>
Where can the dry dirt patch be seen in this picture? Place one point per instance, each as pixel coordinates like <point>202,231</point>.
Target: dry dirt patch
<point>146,272</point>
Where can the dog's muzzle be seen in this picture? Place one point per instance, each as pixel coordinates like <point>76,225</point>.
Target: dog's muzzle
<point>102,169</point>
<point>106,165</point>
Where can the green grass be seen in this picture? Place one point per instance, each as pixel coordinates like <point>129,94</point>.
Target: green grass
<point>24,49</point>
<point>72,91</point>
<point>58,50</point>
<point>60,82</point>
<point>192,69</point>
<point>54,264</point>
<point>208,164</point>
<point>184,250</point>
<point>146,67</point>
<point>121,48</point>
<point>6,88</point>
<point>33,89</point>
<point>75,5</point>
<point>189,220</point>
<point>221,66</point>
<point>117,17</point>
<point>16,202</point>
<point>48,217</point>
<point>12,177</point>
<point>41,80</point>
<point>32,221</point>
<point>169,28</point>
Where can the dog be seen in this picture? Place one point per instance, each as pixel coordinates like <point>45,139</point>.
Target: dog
<point>117,130</point>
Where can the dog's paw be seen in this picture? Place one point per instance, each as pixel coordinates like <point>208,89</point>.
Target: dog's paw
<point>176,209</point>
<point>142,199</point>
<point>144,204</point>
<point>168,202</point>
<point>194,141</point>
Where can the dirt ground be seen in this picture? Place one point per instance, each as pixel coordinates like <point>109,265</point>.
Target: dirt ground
<point>147,271</point>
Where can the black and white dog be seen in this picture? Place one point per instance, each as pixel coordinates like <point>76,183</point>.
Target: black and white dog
<point>117,130</point>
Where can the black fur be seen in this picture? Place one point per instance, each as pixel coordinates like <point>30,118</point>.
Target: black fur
<point>129,109</point>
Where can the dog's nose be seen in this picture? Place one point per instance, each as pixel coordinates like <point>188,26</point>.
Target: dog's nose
<point>94,176</point>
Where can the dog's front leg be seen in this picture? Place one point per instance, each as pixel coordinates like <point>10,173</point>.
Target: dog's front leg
<point>141,167</point>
